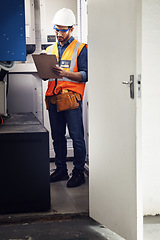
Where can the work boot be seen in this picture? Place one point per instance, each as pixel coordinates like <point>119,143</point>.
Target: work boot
<point>59,175</point>
<point>77,179</point>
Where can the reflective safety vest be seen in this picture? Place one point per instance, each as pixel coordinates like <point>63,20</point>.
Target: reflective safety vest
<point>69,62</point>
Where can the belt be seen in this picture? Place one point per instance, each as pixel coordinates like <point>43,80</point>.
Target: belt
<point>53,99</point>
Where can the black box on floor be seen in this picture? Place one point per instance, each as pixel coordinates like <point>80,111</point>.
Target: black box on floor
<point>24,165</point>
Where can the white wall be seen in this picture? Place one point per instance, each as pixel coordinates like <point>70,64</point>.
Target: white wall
<point>150,105</point>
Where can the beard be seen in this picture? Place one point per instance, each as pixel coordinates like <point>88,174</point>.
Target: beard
<point>62,39</point>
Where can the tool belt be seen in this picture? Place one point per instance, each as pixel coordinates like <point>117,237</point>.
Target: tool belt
<point>66,100</point>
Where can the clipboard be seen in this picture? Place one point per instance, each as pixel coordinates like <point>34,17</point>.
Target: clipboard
<point>44,64</point>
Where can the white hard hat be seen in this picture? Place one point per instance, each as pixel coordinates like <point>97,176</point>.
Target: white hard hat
<point>64,17</point>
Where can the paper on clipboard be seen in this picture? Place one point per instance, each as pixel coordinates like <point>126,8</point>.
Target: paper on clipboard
<point>44,64</point>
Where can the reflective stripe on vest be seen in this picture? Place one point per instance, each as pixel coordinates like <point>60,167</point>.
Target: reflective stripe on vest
<point>50,49</point>
<point>73,61</point>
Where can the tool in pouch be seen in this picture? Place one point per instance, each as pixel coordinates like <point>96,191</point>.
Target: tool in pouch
<point>65,100</point>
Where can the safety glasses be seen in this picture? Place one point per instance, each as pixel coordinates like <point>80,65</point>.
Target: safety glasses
<point>61,30</point>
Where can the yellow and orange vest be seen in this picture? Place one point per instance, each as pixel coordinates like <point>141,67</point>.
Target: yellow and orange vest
<point>70,55</point>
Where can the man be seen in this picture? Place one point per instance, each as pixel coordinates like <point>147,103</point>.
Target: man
<point>72,73</point>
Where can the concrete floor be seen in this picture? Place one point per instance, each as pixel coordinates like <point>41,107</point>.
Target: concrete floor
<point>75,229</point>
<point>151,228</point>
<point>67,220</point>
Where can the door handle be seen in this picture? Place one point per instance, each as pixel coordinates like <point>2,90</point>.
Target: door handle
<point>131,83</point>
<point>127,82</point>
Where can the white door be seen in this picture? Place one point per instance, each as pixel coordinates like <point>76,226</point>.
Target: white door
<point>114,56</point>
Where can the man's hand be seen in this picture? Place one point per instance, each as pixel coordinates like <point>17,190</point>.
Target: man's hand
<point>60,71</point>
<point>75,76</point>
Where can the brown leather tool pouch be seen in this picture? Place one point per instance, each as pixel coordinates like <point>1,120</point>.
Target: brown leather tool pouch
<point>66,101</point>
<point>50,99</point>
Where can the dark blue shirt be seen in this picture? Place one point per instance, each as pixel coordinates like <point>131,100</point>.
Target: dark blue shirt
<point>82,60</point>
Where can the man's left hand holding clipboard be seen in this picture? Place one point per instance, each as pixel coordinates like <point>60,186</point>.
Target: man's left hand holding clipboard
<point>45,64</point>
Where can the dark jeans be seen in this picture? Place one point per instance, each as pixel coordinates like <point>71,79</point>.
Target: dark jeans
<point>73,119</point>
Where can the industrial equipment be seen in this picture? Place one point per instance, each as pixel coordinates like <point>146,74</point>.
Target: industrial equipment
<point>12,43</point>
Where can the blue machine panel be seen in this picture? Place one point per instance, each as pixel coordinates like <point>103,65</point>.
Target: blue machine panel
<point>12,31</point>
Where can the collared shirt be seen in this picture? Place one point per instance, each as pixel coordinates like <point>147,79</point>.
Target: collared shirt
<point>82,60</point>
